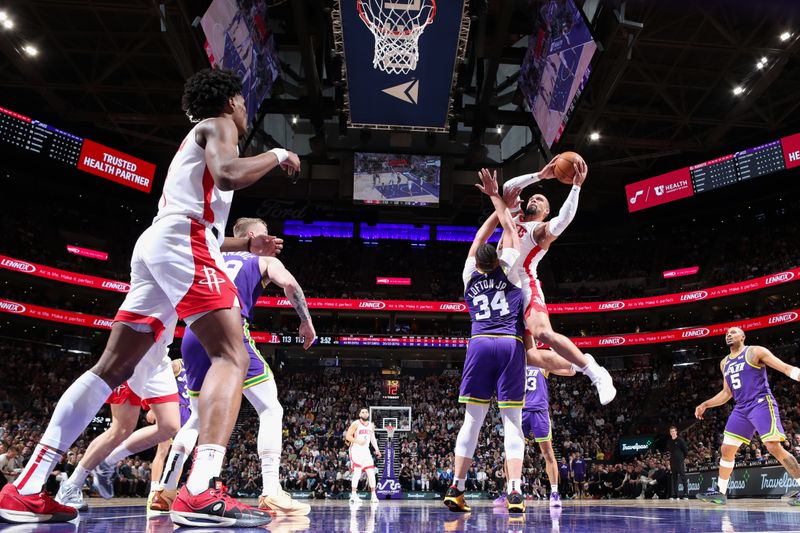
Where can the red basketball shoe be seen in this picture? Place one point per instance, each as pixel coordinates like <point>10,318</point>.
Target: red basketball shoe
<point>41,507</point>
<point>214,507</point>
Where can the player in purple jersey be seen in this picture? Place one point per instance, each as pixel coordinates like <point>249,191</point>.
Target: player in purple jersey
<point>536,421</point>
<point>251,274</point>
<point>745,380</point>
<point>495,362</point>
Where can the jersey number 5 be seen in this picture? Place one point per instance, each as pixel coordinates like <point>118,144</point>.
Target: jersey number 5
<point>736,383</point>
<point>499,303</point>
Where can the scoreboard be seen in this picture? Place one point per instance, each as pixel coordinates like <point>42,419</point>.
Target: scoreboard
<point>383,342</point>
<point>390,389</point>
<point>84,154</point>
<point>754,162</point>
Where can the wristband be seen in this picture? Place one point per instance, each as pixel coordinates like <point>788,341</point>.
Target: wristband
<point>795,375</point>
<point>280,153</point>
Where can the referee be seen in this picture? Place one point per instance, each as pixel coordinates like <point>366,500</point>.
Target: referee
<point>678,450</point>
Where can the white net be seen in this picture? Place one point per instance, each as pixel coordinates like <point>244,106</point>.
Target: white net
<point>396,27</point>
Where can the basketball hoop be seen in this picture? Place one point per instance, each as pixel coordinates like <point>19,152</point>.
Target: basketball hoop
<point>390,431</point>
<point>396,26</point>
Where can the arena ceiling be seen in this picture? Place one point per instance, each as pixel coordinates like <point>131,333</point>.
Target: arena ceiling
<point>661,90</point>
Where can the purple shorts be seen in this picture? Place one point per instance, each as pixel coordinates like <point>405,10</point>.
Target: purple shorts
<point>494,365</point>
<point>186,412</point>
<point>536,424</point>
<point>761,415</point>
<point>196,362</point>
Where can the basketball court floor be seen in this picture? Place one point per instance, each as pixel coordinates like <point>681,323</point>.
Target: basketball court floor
<point>128,515</point>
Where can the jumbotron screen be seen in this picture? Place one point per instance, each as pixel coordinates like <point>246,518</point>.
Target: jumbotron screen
<point>556,66</point>
<point>394,179</point>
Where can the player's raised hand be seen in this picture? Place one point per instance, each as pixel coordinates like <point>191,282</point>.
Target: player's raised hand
<point>698,411</point>
<point>488,183</point>
<point>292,164</point>
<point>308,333</point>
<point>581,169</point>
<point>549,170</point>
<point>266,245</point>
<point>511,198</point>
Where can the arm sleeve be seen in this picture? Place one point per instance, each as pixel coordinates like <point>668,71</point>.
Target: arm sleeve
<point>469,268</point>
<point>509,258</point>
<point>559,223</point>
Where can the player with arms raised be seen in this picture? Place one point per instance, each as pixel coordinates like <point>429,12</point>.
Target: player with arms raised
<point>177,272</point>
<point>495,362</point>
<point>360,435</point>
<point>744,373</point>
<point>536,236</point>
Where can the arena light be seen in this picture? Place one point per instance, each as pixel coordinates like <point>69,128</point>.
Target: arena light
<point>30,50</point>
<point>738,90</point>
<point>785,36</point>
<point>3,16</point>
<point>8,23</point>
<point>499,130</point>
<point>294,120</point>
<point>764,60</point>
<point>759,65</point>
<point>594,136</point>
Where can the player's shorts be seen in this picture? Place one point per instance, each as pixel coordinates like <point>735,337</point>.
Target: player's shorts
<point>360,457</point>
<point>197,363</point>
<point>760,415</point>
<point>494,365</point>
<point>532,298</point>
<point>176,269</point>
<point>186,412</point>
<point>537,424</point>
<point>123,394</point>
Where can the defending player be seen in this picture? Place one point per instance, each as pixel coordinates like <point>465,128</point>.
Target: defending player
<point>251,274</point>
<point>744,373</point>
<point>536,236</point>
<point>360,435</point>
<point>495,362</point>
<point>536,421</point>
<point>176,272</point>
<point>152,380</point>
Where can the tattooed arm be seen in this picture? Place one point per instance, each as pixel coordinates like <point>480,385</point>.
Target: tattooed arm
<point>274,270</point>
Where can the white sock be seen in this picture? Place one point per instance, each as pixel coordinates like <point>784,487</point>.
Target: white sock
<point>591,369</point>
<point>32,479</point>
<point>119,453</point>
<point>72,414</point>
<point>78,476</point>
<point>461,484</point>
<point>514,485</point>
<point>172,468</point>
<point>207,465</point>
<point>553,489</point>
<point>270,464</point>
<point>723,485</point>
<point>154,486</point>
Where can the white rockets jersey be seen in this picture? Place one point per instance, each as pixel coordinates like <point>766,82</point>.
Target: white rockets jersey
<point>530,252</point>
<point>190,189</point>
<point>363,434</point>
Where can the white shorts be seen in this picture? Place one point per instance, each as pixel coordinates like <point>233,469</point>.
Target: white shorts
<point>360,457</point>
<point>177,271</point>
<point>153,380</point>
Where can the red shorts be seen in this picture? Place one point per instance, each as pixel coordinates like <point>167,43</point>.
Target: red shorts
<point>124,394</point>
<point>171,398</point>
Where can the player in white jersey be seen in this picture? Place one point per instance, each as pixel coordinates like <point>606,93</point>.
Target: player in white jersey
<point>176,272</point>
<point>360,435</point>
<point>536,236</point>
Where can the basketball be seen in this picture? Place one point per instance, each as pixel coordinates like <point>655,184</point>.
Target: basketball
<point>565,171</point>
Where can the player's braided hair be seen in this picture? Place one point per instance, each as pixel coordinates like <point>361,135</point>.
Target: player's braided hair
<point>486,257</point>
<point>207,91</point>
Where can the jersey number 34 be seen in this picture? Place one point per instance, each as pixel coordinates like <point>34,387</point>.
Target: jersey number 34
<point>498,303</point>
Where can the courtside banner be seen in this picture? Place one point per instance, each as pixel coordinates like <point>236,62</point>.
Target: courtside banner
<point>400,58</point>
<point>64,276</point>
<point>342,304</point>
<point>680,272</point>
<point>116,166</point>
<point>673,335</point>
<point>87,252</point>
<point>393,281</point>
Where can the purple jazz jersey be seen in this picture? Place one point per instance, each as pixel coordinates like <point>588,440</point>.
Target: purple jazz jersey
<point>495,304</point>
<point>494,364</point>
<point>183,395</point>
<point>245,271</point>
<point>536,411</point>
<point>756,408</point>
<point>579,469</point>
